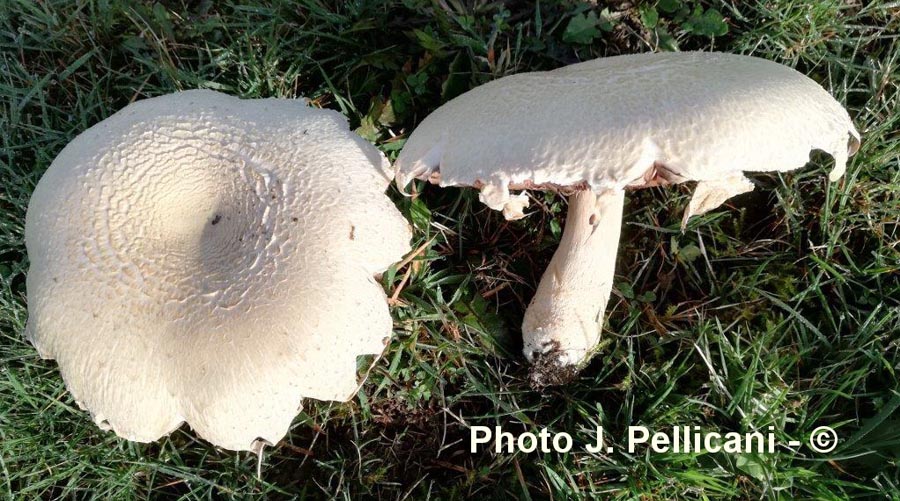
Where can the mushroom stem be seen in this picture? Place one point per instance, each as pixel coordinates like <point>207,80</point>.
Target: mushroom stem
<point>565,316</point>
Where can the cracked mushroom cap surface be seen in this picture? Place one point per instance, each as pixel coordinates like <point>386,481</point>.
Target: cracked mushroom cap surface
<point>606,123</point>
<point>205,259</point>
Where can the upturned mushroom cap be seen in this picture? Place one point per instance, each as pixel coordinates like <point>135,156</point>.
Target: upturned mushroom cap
<point>605,124</point>
<point>204,259</point>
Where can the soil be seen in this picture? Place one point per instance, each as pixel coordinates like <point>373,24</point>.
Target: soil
<point>546,371</point>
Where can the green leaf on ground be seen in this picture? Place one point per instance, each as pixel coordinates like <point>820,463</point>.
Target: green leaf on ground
<point>582,29</point>
<point>706,23</point>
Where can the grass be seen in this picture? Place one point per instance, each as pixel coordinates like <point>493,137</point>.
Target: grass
<point>780,309</point>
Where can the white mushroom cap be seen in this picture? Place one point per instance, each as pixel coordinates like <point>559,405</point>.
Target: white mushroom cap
<point>204,259</point>
<point>605,122</point>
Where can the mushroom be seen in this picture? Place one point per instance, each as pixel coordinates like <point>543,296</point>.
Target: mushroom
<point>205,259</point>
<point>592,130</point>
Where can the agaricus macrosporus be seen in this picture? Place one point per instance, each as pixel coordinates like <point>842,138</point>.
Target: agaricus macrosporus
<point>593,129</point>
<point>200,258</point>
